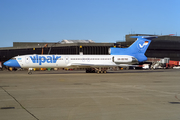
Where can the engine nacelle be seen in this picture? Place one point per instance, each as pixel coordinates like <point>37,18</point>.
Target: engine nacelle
<point>125,60</point>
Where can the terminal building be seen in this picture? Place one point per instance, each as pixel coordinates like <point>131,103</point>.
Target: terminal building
<point>64,47</point>
<point>161,47</point>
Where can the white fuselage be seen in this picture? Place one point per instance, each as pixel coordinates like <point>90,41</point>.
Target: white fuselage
<point>73,61</point>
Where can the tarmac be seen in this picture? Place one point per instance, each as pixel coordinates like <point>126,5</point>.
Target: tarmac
<point>76,95</point>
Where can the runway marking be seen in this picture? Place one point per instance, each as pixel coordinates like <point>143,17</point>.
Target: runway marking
<point>20,104</point>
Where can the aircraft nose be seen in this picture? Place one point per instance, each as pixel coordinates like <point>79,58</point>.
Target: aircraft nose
<point>12,63</point>
<point>6,63</point>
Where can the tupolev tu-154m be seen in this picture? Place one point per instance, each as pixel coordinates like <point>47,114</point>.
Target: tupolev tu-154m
<point>119,57</point>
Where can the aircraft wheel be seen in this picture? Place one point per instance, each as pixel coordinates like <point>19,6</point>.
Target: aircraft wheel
<point>152,68</point>
<point>29,72</point>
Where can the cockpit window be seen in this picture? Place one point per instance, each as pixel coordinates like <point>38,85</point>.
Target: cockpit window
<point>13,58</point>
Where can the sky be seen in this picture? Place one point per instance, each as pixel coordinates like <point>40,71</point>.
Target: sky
<point>98,20</point>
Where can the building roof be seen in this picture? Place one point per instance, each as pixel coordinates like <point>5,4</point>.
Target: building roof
<point>76,41</point>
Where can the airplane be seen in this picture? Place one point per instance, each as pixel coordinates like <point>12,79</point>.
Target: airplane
<point>119,57</point>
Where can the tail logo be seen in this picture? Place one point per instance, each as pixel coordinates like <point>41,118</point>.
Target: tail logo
<point>142,44</point>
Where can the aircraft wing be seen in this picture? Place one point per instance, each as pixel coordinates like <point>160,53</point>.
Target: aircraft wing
<point>97,65</point>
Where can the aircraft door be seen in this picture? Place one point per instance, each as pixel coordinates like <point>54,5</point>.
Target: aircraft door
<point>113,58</point>
<point>20,61</point>
<point>27,60</point>
<point>66,59</point>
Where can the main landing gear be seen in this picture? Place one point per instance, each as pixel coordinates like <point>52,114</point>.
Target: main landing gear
<point>90,70</point>
<point>96,70</point>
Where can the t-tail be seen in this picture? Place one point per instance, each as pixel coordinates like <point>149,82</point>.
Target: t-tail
<point>137,49</point>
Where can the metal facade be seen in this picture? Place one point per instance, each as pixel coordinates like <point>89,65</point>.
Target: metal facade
<point>90,48</point>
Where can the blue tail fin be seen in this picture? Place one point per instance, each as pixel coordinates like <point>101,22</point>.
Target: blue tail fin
<point>137,49</point>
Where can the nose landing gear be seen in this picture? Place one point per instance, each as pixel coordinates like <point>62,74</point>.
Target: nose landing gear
<point>30,71</point>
